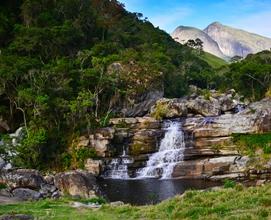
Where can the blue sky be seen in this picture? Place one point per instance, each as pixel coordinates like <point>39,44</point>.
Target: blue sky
<point>250,15</point>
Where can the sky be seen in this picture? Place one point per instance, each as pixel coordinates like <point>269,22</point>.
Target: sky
<point>250,15</point>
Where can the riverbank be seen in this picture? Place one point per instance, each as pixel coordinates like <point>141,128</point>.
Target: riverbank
<point>231,203</point>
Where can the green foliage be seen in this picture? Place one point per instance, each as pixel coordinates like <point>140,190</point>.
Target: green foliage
<point>250,143</point>
<point>229,183</point>
<point>31,152</point>
<point>3,186</point>
<point>251,77</point>
<point>81,155</point>
<point>56,77</point>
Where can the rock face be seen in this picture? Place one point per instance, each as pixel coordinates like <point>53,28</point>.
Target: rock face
<point>24,184</point>
<point>224,41</point>
<point>77,183</point>
<point>94,166</point>
<point>234,41</point>
<point>207,125</point>
<point>211,104</point>
<point>183,33</point>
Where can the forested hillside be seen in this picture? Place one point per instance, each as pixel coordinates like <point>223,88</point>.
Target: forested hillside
<point>55,73</point>
<point>67,66</point>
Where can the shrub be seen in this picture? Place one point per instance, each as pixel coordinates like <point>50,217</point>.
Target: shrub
<point>3,186</point>
<point>161,110</point>
<point>81,155</point>
<point>229,183</point>
<point>31,152</point>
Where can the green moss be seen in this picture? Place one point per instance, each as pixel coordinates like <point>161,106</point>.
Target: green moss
<point>136,148</point>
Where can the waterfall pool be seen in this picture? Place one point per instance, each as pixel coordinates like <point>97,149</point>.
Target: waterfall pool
<point>149,191</point>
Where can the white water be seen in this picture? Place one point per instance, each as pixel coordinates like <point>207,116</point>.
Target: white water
<point>171,149</point>
<point>118,167</point>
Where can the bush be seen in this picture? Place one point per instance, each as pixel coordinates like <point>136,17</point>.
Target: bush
<point>229,184</point>
<point>3,186</point>
<point>31,152</point>
<point>81,155</point>
<point>161,110</point>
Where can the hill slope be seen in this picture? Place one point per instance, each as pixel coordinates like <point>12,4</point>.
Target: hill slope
<point>66,66</point>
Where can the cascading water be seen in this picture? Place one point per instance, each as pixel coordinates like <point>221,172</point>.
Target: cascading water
<point>171,149</point>
<point>118,167</point>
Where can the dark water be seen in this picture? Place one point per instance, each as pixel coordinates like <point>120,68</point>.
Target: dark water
<point>147,191</point>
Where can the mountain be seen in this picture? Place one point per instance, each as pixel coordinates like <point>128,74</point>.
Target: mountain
<point>234,41</point>
<point>230,41</point>
<point>183,33</point>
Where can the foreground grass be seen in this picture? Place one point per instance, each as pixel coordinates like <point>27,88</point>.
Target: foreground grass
<point>233,203</point>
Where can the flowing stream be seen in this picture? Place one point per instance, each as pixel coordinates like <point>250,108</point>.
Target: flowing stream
<point>162,163</point>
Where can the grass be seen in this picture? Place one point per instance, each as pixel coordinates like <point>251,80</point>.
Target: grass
<point>231,203</point>
<point>213,60</point>
<point>250,143</point>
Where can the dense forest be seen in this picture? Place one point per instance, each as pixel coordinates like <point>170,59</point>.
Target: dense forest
<point>67,66</point>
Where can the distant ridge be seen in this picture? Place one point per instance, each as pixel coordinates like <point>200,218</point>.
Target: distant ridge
<point>224,41</point>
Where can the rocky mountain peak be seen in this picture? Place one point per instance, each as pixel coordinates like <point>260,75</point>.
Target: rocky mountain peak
<point>224,41</point>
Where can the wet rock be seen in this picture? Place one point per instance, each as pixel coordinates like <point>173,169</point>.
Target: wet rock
<point>77,183</point>
<point>26,194</point>
<point>145,141</point>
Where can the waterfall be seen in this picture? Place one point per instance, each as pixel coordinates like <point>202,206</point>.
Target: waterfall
<point>171,149</point>
<point>118,167</point>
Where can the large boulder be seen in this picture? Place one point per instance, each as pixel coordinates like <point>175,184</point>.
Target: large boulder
<point>77,183</point>
<point>22,178</point>
<point>26,194</point>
